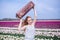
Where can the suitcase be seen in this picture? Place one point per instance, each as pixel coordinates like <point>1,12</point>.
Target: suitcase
<point>25,10</point>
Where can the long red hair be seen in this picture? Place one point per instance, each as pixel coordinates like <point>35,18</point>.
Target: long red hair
<point>25,21</point>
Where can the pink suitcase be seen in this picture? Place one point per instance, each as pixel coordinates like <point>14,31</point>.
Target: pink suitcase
<point>25,10</point>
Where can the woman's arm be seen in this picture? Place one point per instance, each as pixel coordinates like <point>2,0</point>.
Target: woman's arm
<point>35,16</point>
<point>20,25</point>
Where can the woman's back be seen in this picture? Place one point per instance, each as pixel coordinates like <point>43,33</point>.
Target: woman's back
<point>30,32</point>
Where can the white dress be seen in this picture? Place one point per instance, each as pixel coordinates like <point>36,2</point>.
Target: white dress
<point>30,32</point>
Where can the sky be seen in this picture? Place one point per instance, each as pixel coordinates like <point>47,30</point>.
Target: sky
<point>46,9</point>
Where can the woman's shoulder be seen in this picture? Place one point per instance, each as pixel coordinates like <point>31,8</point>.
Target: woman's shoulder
<point>28,25</point>
<point>25,25</point>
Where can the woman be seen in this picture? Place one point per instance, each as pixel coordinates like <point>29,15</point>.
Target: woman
<point>28,26</point>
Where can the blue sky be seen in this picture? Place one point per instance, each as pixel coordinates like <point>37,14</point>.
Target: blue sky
<point>46,9</point>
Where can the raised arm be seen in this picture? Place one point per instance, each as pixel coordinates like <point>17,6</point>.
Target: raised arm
<point>20,24</point>
<point>35,16</point>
